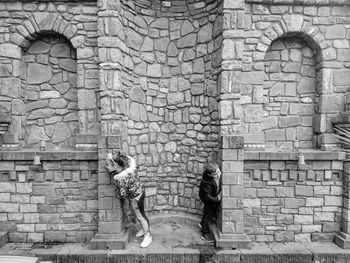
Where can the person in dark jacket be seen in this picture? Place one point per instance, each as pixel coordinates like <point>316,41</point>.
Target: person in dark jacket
<point>210,195</point>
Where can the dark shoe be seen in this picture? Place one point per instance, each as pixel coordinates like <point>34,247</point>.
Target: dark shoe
<point>207,239</point>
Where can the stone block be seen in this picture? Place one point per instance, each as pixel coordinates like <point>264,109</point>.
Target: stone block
<point>275,135</point>
<point>10,87</point>
<point>342,77</point>
<point>284,191</point>
<point>230,203</point>
<point>61,133</point>
<point>315,201</point>
<point>253,113</point>
<point>38,73</point>
<point>333,201</point>
<point>228,49</point>
<point>229,4</point>
<point>86,99</point>
<point>114,142</point>
<point>335,32</point>
<point>17,237</point>
<point>10,50</point>
<point>253,77</point>
<point>187,41</point>
<point>301,109</point>
<point>277,165</point>
<point>331,103</point>
<point>304,190</point>
<point>289,121</point>
<point>266,193</point>
<point>321,165</point>
<point>55,236</point>
<point>35,237</point>
<point>324,216</point>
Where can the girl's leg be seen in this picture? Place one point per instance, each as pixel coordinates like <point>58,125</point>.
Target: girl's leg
<point>141,206</point>
<point>141,217</point>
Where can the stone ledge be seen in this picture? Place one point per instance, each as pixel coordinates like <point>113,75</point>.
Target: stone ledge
<point>48,155</point>
<point>307,252</point>
<point>287,156</point>
<point>301,2</point>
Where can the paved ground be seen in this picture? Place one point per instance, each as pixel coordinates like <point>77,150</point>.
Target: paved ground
<point>174,242</point>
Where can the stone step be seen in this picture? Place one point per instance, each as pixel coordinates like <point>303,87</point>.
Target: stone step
<point>18,259</point>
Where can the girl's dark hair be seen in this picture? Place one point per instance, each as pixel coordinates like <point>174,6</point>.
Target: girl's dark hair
<point>210,169</point>
<point>121,159</point>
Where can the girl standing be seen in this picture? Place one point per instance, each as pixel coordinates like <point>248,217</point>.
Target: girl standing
<point>123,170</point>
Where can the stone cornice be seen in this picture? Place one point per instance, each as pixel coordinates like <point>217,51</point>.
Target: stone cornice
<point>302,2</point>
<point>28,155</point>
<point>287,156</point>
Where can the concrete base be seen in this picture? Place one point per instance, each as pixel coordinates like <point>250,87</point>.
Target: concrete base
<point>110,241</point>
<point>3,238</point>
<point>230,241</point>
<point>342,240</point>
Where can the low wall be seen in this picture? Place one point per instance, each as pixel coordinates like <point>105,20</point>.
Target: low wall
<point>57,200</point>
<point>286,202</point>
<point>54,201</point>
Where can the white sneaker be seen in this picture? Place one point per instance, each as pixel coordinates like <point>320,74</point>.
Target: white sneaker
<point>140,233</point>
<point>147,240</point>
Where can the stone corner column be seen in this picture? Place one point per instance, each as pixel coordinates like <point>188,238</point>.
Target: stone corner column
<point>111,230</point>
<point>343,238</point>
<point>229,231</point>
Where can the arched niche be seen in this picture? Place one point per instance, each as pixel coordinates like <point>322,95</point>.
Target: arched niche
<point>49,92</point>
<point>290,92</point>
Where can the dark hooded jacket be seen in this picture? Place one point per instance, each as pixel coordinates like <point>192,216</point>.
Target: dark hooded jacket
<point>208,189</point>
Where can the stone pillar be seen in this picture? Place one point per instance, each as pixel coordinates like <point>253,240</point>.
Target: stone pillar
<point>111,232</point>
<point>343,238</point>
<point>229,232</point>
<point>114,131</point>
<point>10,94</point>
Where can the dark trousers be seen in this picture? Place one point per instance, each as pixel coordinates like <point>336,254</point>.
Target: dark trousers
<point>210,210</point>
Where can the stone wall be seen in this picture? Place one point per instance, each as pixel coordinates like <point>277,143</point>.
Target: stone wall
<point>25,72</point>
<point>53,202</point>
<point>283,107</point>
<point>271,102</point>
<point>50,93</point>
<point>287,203</point>
<point>168,84</point>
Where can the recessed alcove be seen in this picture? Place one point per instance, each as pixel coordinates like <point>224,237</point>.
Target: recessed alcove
<point>170,67</point>
<point>50,93</point>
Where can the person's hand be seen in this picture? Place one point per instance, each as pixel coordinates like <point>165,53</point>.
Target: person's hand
<point>219,196</point>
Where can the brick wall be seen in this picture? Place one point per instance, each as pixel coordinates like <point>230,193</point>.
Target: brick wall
<point>56,201</point>
<point>284,202</point>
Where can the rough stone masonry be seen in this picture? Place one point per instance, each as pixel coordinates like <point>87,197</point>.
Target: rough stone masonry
<point>176,84</point>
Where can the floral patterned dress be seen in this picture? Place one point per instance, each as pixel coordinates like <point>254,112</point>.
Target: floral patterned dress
<point>127,182</point>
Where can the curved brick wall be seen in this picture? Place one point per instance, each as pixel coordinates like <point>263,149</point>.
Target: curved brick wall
<point>50,93</point>
<point>170,63</point>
